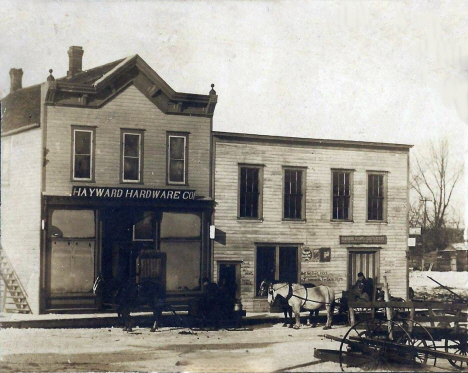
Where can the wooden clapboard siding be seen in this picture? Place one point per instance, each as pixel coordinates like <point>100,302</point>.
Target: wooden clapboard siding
<point>21,208</point>
<point>130,110</point>
<point>317,230</point>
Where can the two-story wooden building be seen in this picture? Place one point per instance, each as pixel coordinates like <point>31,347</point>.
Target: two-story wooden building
<point>310,211</point>
<point>97,166</point>
<point>106,162</point>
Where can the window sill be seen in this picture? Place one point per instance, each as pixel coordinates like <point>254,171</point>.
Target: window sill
<point>297,221</point>
<point>341,221</point>
<point>377,222</point>
<point>250,220</point>
<point>83,181</point>
<point>127,182</point>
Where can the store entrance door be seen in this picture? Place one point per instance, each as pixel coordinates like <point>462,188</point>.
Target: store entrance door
<point>126,232</point>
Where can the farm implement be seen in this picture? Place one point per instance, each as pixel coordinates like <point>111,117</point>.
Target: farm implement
<point>385,334</point>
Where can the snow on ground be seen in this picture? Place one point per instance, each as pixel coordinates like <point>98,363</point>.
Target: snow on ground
<point>424,287</point>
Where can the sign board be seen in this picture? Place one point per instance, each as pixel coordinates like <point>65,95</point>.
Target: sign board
<point>415,231</point>
<point>373,240</point>
<point>306,254</point>
<point>132,193</point>
<point>411,241</point>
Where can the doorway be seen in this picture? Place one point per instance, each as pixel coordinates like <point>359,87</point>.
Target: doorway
<point>229,277</point>
<point>365,261</point>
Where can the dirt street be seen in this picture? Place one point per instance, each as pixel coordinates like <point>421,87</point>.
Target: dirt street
<point>263,348</point>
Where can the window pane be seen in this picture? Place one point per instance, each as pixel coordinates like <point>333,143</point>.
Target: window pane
<point>72,223</point>
<point>265,265</point>
<point>144,226</point>
<point>131,168</point>
<point>176,171</point>
<point>82,167</point>
<point>183,265</point>
<point>287,264</point>
<point>180,225</point>
<point>249,192</point>
<point>177,147</point>
<point>82,142</point>
<point>292,208</point>
<point>341,195</point>
<point>132,145</point>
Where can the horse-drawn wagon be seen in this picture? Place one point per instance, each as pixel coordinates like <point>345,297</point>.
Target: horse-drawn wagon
<point>414,333</point>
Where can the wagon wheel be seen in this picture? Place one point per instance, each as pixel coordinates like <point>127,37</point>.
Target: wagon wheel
<point>457,346</point>
<point>420,337</point>
<point>367,346</point>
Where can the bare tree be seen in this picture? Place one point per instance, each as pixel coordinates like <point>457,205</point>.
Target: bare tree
<point>434,180</point>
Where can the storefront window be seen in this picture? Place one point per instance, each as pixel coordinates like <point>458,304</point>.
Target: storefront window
<point>183,265</point>
<point>73,224</point>
<point>181,241</point>
<point>182,225</point>
<point>72,251</point>
<point>276,263</point>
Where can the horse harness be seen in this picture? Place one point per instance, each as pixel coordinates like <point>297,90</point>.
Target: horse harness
<point>291,294</point>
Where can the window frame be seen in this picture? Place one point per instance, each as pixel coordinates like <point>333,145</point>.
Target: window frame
<point>123,133</point>
<point>351,195</point>
<point>260,191</point>
<point>384,175</point>
<point>92,130</point>
<point>185,136</point>
<point>277,247</point>
<point>303,189</point>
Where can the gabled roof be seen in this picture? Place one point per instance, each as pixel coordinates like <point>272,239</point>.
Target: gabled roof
<point>92,88</point>
<point>95,87</point>
<point>21,108</point>
<point>90,76</point>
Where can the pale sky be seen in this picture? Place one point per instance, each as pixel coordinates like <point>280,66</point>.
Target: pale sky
<point>385,71</point>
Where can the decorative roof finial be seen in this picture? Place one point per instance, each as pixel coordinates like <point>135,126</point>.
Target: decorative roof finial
<point>50,78</point>
<point>212,92</point>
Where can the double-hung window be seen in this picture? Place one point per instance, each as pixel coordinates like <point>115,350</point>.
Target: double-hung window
<point>132,156</point>
<point>293,193</point>
<point>342,195</point>
<point>250,192</point>
<point>376,200</point>
<point>177,165</point>
<point>83,153</point>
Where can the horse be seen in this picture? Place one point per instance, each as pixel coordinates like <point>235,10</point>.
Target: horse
<point>298,296</point>
<point>285,307</point>
<point>128,295</point>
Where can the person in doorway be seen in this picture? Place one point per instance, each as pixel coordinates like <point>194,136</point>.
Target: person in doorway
<point>362,289</point>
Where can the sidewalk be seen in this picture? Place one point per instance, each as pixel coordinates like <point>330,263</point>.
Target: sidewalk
<point>108,319</point>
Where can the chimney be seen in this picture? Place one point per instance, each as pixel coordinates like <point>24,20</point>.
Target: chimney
<point>75,55</point>
<point>16,76</point>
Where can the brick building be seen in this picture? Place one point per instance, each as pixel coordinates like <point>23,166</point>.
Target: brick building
<point>108,162</point>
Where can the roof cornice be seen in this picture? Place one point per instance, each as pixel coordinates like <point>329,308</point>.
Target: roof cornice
<point>132,70</point>
<point>244,137</point>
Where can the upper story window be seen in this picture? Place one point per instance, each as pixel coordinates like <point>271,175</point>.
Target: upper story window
<point>250,192</point>
<point>177,167</point>
<point>83,153</point>
<point>293,193</point>
<point>132,156</point>
<point>376,199</point>
<point>342,195</point>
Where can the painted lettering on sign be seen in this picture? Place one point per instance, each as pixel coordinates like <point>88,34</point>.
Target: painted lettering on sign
<point>319,276</point>
<point>132,193</point>
<point>363,240</point>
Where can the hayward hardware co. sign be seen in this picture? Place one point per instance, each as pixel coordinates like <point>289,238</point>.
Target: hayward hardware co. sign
<point>132,193</point>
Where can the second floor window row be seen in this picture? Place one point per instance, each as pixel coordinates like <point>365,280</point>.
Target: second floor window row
<point>131,156</point>
<point>294,186</point>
